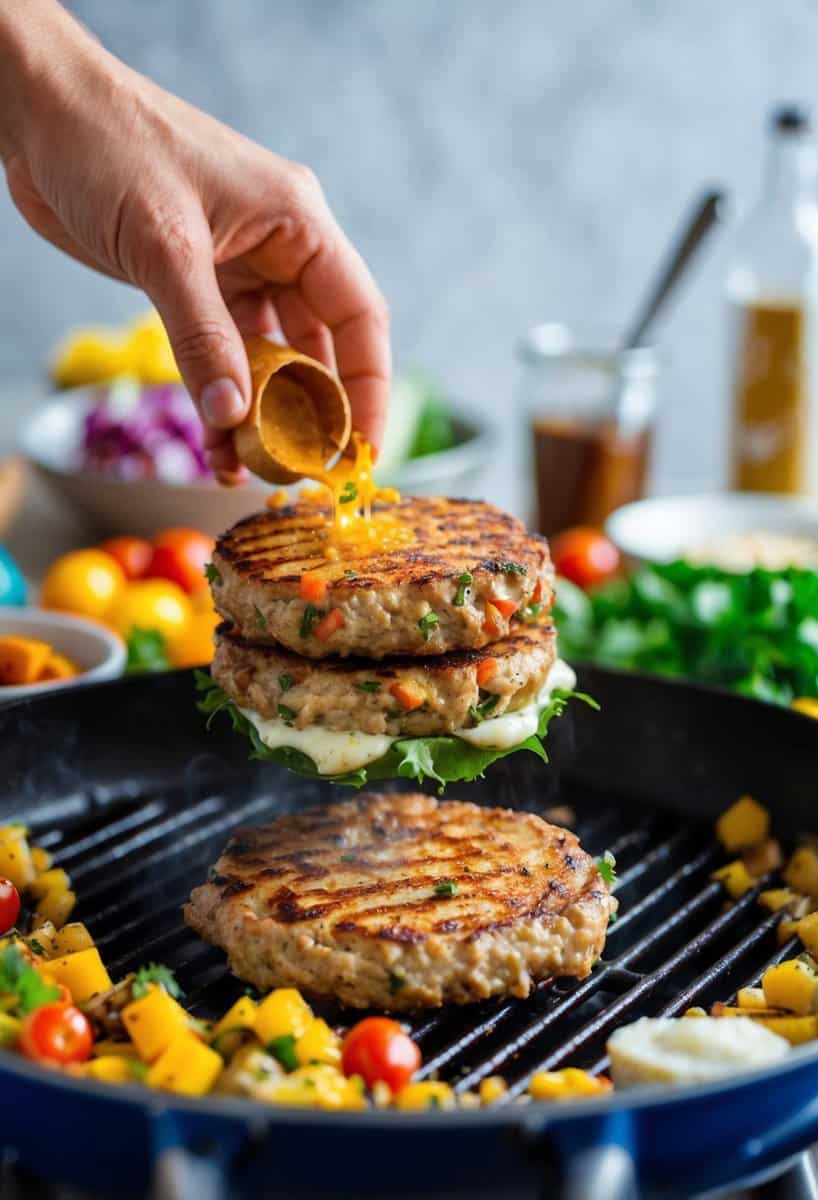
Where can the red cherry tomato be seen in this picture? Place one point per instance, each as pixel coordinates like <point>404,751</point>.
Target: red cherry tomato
<point>585,556</point>
<point>56,1033</point>
<point>9,905</point>
<point>181,555</point>
<point>133,554</point>
<point>377,1048</point>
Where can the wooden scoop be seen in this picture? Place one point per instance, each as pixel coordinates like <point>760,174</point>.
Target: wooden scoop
<point>299,417</point>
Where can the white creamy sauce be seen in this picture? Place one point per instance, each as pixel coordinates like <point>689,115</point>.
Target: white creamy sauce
<point>336,753</point>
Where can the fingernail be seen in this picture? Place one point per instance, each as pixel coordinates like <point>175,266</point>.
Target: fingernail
<point>222,404</point>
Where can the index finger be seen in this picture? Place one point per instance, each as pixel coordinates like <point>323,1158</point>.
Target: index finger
<point>338,288</point>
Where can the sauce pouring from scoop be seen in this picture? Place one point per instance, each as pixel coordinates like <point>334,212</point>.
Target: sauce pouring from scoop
<point>300,420</point>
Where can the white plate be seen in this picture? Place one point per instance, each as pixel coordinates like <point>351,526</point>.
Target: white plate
<point>664,529</point>
<point>98,652</point>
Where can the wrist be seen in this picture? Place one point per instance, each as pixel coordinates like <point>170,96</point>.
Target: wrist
<point>39,44</point>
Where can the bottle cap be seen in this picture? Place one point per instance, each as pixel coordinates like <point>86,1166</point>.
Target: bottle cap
<point>299,416</point>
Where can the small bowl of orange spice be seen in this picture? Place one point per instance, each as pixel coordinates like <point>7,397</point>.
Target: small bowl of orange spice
<point>42,650</point>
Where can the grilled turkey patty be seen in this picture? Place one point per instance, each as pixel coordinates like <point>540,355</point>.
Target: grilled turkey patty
<point>402,901</point>
<point>364,697</point>
<point>383,597</point>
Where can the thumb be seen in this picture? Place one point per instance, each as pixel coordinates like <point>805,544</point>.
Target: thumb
<point>206,343</point>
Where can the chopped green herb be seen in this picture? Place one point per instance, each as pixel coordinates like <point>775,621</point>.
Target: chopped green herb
<point>285,683</point>
<point>311,615</point>
<point>465,581</point>
<point>531,612</point>
<point>287,714</point>
<point>427,623</point>
<point>349,573</point>
<point>512,568</point>
<point>396,982</point>
<point>211,573</point>
<point>251,992</point>
<point>156,973</point>
<point>349,492</point>
<point>261,620</point>
<point>146,652</point>
<point>613,918</point>
<point>349,857</point>
<point>138,1071</point>
<point>369,685</point>
<point>479,712</point>
<point>283,1048</point>
<point>607,867</point>
<point>18,977</point>
<point>35,947</point>
<point>433,1102</point>
<point>446,887</point>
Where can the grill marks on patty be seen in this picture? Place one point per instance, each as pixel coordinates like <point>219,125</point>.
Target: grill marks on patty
<point>461,901</point>
<point>382,597</point>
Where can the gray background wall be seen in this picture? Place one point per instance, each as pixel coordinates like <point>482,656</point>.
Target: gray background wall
<point>496,163</point>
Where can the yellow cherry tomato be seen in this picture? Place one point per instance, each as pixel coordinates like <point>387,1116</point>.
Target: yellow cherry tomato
<point>807,705</point>
<point>193,646</point>
<point>88,582</point>
<point>152,604</point>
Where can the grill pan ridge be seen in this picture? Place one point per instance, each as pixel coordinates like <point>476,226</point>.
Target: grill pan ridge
<point>136,801</point>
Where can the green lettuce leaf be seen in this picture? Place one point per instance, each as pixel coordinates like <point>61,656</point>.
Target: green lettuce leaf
<point>444,759</point>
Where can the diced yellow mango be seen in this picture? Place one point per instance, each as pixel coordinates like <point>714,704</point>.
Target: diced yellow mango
<point>54,879</point>
<point>41,859</point>
<point>744,824</point>
<point>153,1022</point>
<point>82,972</point>
<point>796,1030</point>
<point>9,1030</point>
<point>776,899</point>
<point>284,1011</point>
<point>807,705</point>
<point>110,1068</point>
<point>72,937</point>
<point>15,857</point>
<point>732,1010</point>
<point>55,906</point>
<point>319,1044</point>
<point>186,1066</point>
<point>21,659</point>
<point>242,1015</point>
<point>786,930</point>
<point>751,997</point>
<point>318,1086</point>
<point>492,1089</point>
<point>801,872</point>
<point>568,1084</point>
<point>792,986</point>
<point>695,1011</point>
<point>106,1048</point>
<point>763,858</point>
<point>807,930</point>
<point>736,879</point>
<point>426,1093</point>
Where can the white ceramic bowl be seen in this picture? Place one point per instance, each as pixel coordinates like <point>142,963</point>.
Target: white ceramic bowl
<point>99,653</point>
<point>665,528</point>
<point>51,437</point>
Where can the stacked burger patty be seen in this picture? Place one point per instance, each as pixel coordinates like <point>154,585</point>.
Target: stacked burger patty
<point>441,636</point>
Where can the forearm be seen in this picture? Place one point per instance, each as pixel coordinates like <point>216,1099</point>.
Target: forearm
<point>43,49</point>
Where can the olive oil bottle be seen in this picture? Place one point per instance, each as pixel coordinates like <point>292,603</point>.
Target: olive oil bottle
<point>771,290</point>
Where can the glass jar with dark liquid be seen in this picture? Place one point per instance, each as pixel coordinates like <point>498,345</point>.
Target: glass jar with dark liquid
<point>591,412</point>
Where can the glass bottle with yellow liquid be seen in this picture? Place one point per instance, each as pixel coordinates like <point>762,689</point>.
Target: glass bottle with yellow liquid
<point>772,289</point>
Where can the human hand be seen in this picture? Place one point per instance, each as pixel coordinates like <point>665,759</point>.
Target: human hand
<point>223,236</point>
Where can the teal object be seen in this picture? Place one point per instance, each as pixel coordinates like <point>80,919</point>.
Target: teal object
<point>12,585</point>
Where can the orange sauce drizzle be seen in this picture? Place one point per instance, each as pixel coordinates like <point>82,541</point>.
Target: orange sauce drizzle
<point>353,529</point>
